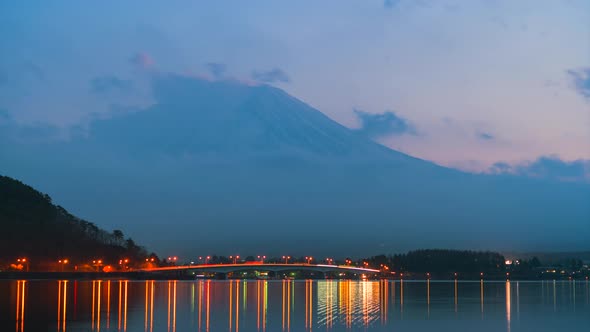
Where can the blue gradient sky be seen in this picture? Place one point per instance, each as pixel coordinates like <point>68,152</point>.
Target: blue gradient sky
<point>464,83</point>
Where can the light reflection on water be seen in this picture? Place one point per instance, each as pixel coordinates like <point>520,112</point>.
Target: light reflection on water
<point>287,305</point>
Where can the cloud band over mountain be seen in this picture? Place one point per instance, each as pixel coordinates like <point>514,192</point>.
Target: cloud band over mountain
<point>376,125</point>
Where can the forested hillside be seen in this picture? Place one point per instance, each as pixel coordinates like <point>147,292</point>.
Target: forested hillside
<point>33,227</point>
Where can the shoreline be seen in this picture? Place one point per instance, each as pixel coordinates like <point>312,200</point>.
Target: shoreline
<point>142,276</point>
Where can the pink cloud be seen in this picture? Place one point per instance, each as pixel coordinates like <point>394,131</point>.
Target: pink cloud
<point>143,60</point>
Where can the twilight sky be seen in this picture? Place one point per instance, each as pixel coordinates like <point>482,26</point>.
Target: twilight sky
<point>462,83</point>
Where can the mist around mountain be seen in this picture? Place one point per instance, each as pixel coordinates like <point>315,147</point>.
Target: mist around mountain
<point>221,167</point>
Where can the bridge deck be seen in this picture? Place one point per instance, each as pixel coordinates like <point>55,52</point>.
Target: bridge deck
<point>256,266</point>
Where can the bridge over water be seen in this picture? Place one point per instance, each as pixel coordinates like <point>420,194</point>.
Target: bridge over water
<point>262,267</point>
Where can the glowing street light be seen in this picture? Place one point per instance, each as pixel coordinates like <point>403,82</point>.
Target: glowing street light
<point>329,260</point>
<point>308,259</point>
<point>24,262</point>
<point>97,263</point>
<point>235,258</point>
<point>62,263</point>
<point>124,263</point>
<point>207,260</point>
<point>286,258</point>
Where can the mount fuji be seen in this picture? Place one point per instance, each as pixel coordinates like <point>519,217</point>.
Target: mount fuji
<point>179,174</point>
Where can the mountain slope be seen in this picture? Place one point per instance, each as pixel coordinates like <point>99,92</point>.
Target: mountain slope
<point>199,117</point>
<point>227,167</point>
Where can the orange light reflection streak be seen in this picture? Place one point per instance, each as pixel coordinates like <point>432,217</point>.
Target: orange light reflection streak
<point>288,305</point>
<point>283,303</point>
<point>17,309</point>
<point>146,307</point>
<point>174,310</point>
<point>58,304</point>
<point>169,283</point>
<point>61,305</point>
<point>231,284</point>
<point>481,296</point>
<point>258,305</point>
<point>65,305</point>
<point>508,302</point>
<point>125,309</point>
<point>20,305</point>
<point>120,299</point>
<point>237,305</point>
<point>200,302</point>
<point>108,304</point>
<point>152,307</point>
<point>349,311</point>
<point>264,304</point>
<point>93,300</point>
<point>98,306</point>
<point>207,305</point>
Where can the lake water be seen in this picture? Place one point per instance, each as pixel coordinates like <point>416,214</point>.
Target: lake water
<point>207,305</point>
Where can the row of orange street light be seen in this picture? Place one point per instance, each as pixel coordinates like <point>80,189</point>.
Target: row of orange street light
<point>124,262</point>
<point>235,258</point>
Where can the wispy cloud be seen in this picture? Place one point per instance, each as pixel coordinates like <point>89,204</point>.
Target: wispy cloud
<point>275,75</point>
<point>217,70</point>
<point>390,3</point>
<point>34,70</point>
<point>5,116</point>
<point>485,136</point>
<point>581,81</point>
<point>547,167</point>
<point>107,84</point>
<point>143,60</point>
<point>375,125</point>
<point>13,132</point>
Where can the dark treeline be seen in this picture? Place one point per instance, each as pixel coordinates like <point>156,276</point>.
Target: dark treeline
<point>35,228</point>
<point>442,261</point>
<point>445,263</point>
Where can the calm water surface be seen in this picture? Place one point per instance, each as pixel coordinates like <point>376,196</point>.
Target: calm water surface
<point>203,305</point>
